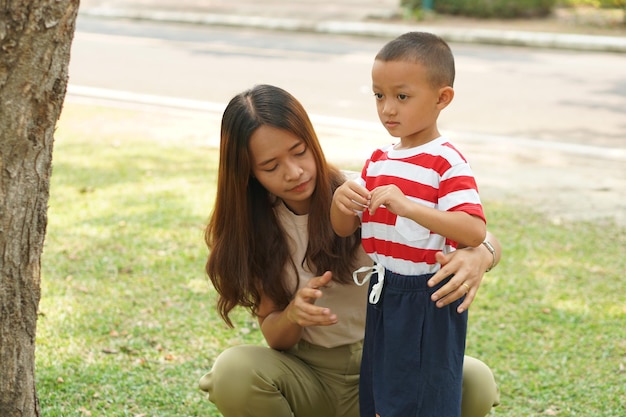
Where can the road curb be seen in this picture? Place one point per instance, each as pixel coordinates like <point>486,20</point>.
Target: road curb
<point>373,29</point>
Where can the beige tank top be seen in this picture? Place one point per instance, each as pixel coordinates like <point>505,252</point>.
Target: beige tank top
<point>347,301</point>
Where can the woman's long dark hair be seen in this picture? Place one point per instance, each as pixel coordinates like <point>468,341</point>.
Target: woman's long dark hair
<point>248,249</point>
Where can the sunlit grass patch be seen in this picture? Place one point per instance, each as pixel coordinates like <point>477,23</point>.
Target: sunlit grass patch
<point>128,324</point>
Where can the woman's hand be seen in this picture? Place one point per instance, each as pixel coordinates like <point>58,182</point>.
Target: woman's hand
<point>282,329</point>
<point>468,266</point>
<point>302,309</point>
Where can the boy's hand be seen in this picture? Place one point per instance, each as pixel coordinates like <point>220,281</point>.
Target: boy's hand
<point>351,198</point>
<point>392,198</point>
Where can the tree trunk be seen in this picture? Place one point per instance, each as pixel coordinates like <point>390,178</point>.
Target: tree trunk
<point>35,41</point>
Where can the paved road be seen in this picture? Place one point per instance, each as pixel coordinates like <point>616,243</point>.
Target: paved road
<point>353,17</point>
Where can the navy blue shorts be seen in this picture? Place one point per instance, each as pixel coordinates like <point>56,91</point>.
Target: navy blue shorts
<point>413,352</point>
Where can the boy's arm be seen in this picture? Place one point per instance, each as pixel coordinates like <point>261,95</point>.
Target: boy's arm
<point>461,227</point>
<point>343,224</point>
<point>348,200</point>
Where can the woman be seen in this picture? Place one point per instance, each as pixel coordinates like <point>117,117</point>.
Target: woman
<point>273,251</point>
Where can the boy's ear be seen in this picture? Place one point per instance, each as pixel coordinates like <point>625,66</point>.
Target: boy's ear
<point>446,94</point>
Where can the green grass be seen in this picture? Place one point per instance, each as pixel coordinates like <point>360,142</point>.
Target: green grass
<point>127,320</point>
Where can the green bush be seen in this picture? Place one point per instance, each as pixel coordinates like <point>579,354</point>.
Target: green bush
<point>488,8</point>
<point>495,8</point>
<point>605,4</point>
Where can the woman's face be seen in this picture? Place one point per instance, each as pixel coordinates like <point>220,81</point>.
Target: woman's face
<point>284,165</point>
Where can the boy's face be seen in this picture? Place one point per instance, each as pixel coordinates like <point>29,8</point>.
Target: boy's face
<point>407,104</point>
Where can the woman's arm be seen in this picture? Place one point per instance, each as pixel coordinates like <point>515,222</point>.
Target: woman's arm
<point>282,329</point>
<point>468,266</point>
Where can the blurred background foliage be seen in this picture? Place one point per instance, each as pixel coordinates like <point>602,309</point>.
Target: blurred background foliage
<point>505,9</point>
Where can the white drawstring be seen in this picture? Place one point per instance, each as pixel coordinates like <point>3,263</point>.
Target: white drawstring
<point>377,288</point>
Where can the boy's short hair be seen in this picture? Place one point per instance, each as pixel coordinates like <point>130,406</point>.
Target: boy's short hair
<point>424,48</point>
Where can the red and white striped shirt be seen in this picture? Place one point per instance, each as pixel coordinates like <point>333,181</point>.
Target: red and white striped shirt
<point>434,174</point>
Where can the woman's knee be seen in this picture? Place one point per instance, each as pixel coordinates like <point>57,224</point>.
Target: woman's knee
<point>480,391</point>
<point>243,382</point>
<point>232,372</point>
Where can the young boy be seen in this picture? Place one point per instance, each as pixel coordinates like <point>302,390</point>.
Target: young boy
<point>414,198</point>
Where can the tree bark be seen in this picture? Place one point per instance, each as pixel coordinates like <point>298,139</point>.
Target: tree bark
<point>35,41</point>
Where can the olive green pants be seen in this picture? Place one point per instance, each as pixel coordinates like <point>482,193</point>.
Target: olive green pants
<point>313,381</point>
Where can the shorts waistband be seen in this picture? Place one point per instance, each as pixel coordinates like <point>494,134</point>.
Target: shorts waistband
<point>410,282</point>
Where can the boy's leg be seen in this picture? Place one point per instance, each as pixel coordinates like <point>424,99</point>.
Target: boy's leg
<point>443,356</point>
<point>480,392</point>
<point>373,320</point>
<point>418,366</point>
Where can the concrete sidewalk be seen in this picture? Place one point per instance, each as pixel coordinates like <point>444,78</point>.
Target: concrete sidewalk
<point>343,17</point>
<point>309,10</point>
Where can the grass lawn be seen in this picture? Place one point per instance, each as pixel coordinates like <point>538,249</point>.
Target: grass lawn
<point>127,320</point>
